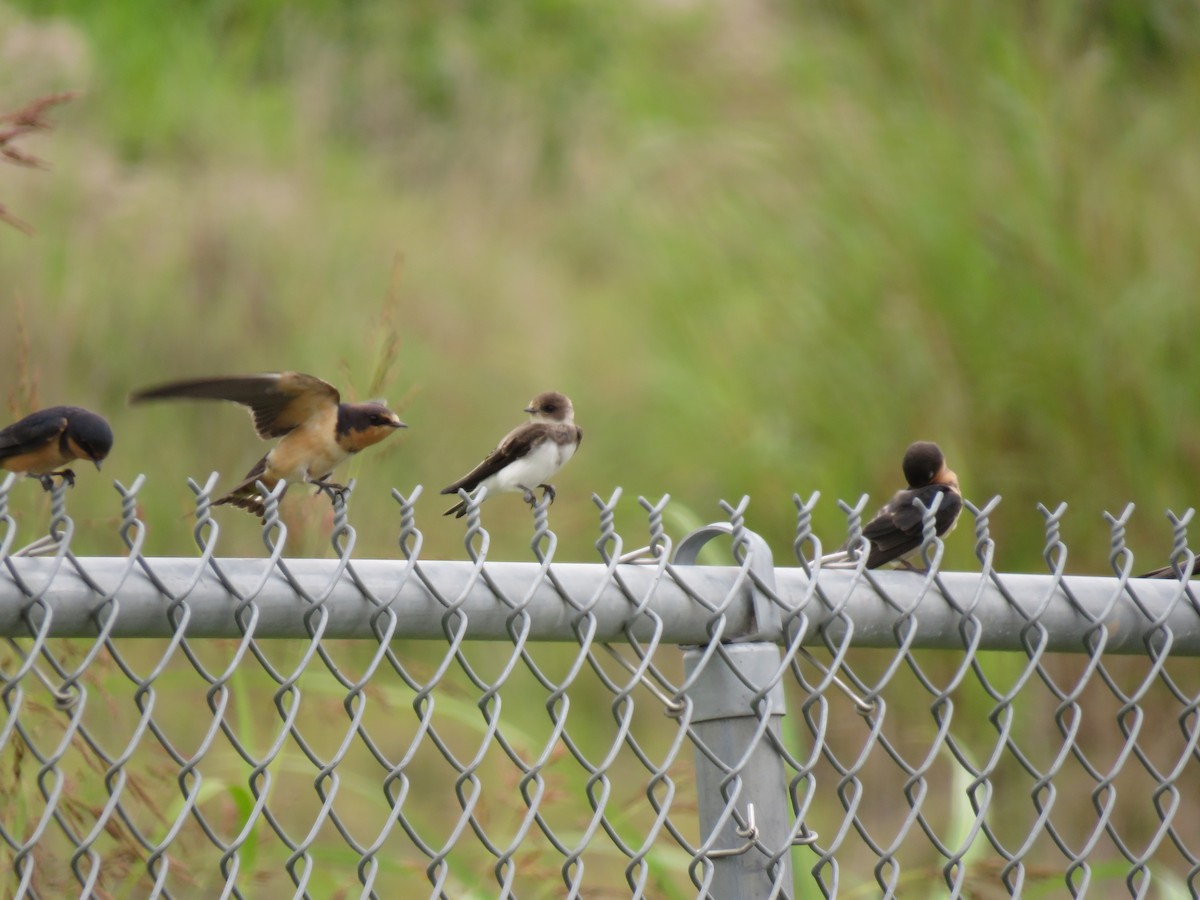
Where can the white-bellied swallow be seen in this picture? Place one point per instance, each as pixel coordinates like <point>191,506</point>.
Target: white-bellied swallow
<point>528,456</point>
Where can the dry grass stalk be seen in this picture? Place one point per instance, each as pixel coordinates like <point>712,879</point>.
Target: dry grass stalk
<point>30,118</point>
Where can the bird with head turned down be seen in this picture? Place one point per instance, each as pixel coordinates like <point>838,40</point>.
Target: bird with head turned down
<point>43,444</point>
<point>896,532</point>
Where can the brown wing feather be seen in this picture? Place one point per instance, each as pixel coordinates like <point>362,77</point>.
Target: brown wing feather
<point>246,496</point>
<point>514,445</point>
<point>279,401</point>
<point>898,528</point>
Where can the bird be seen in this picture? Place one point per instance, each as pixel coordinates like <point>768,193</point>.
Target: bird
<point>42,444</point>
<point>1168,572</point>
<point>317,430</point>
<point>528,456</point>
<point>896,531</point>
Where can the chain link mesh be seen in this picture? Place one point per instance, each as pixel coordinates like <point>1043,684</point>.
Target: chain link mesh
<point>635,726</point>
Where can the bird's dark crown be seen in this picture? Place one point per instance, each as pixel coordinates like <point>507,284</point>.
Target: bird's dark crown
<point>361,416</point>
<point>922,461</point>
<point>90,432</point>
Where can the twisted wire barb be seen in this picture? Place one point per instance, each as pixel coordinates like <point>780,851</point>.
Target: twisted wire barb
<point>1183,560</point>
<point>804,532</point>
<point>856,545</point>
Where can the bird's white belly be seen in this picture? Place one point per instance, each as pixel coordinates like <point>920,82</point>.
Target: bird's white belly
<point>535,468</point>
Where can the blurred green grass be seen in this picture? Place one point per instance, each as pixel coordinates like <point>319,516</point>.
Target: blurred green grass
<point>762,251</point>
<point>761,248</point>
<point>815,233</point>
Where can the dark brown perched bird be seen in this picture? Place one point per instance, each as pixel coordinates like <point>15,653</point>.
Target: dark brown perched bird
<point>1167,572</point>
<point>528,455</point>
<point>317,430</point>
<point>895,532</point>
<point>44,442</point>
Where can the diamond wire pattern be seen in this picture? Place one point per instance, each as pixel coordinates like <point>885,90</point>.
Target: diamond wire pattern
<point>192,766</point>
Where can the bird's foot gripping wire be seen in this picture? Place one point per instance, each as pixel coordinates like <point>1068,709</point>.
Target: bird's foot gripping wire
<point>528,495</point>
<point>47,480</point>
<point>332,490</point>
<point>548,491</point>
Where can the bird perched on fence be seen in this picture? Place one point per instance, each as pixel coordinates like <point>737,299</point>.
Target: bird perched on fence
<point>896,531</point>
<point>317,430</point>
<point>44,442</point>
<point>1168,572</point>
<point>528,455</point>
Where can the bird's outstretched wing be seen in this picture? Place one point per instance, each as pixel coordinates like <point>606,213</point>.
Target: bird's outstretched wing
<point>279,401</point>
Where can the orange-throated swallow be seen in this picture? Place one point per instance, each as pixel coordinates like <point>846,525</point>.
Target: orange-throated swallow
<point>317,430</point>
<point>43,443</point>
<point>897,529</point>
<point>528,455</point>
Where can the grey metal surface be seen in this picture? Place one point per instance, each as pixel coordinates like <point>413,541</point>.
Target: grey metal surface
<point>637,725</point>
<point>745,823</point>
<point>1068,608</point>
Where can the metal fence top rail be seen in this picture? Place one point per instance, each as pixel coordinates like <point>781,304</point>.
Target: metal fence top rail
<point>654,592</point>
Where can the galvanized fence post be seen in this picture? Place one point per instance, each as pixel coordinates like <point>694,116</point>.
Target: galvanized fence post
<point>736,698</point>
<point>740,781</point>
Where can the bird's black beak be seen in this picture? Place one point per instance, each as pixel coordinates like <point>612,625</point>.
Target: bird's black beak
<point>530,410</point>
<point>398,424</point>
<point>97,463</point>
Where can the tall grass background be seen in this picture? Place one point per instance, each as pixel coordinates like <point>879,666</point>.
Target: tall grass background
<point>762,246</point>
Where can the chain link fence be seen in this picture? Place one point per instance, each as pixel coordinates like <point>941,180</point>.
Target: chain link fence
<point>639,725</point>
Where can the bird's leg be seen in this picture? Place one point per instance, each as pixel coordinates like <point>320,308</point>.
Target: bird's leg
<point>334,490</point>
<point>527,494</point>
<point>548,491</point>
<point>47,480</point>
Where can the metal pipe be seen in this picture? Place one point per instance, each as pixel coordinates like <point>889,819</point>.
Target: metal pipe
<point>142,609</point>
<point>741,787</point>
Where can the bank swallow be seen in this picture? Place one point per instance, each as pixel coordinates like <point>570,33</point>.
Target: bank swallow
<point>528,456</point>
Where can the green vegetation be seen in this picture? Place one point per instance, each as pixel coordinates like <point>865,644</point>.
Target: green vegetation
<point>761,246</point>
<point>814,233</point>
